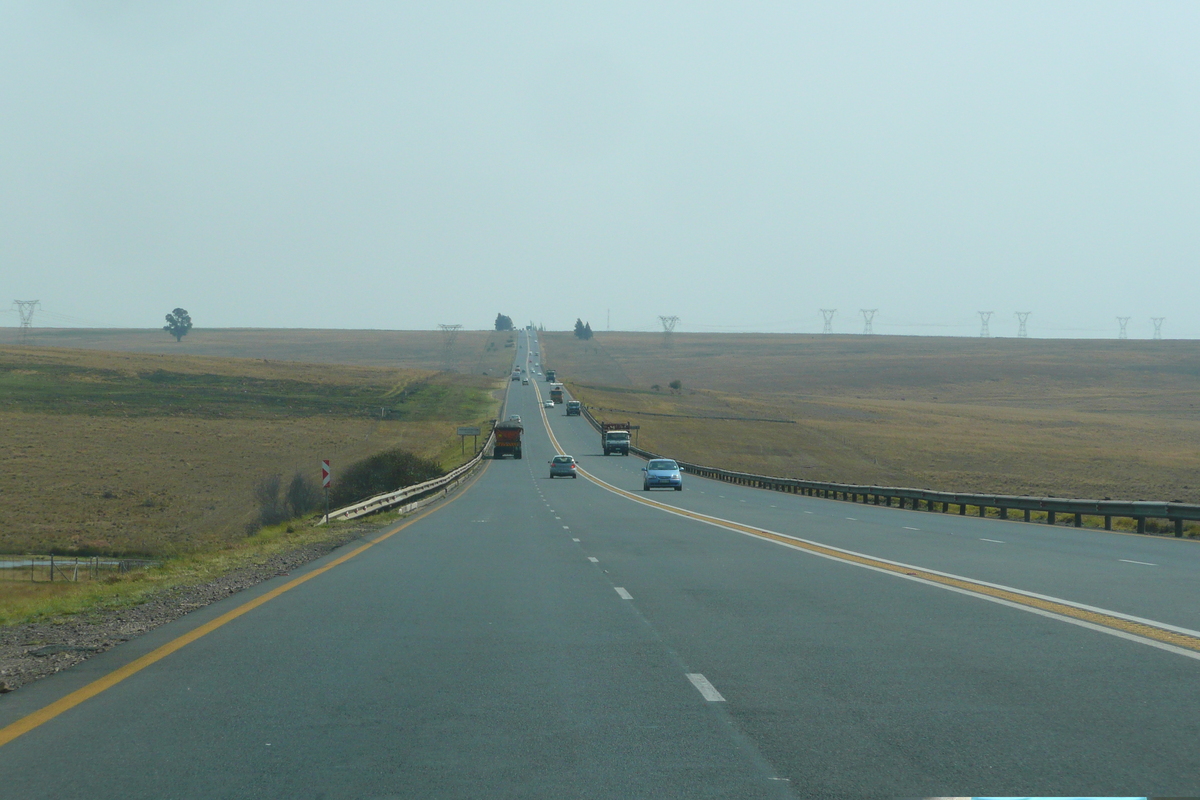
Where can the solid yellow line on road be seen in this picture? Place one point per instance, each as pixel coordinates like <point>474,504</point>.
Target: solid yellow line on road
<point>44,715</point>
<point>1133,629</point>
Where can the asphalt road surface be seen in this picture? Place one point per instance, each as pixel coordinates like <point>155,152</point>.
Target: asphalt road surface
<point>554,638</point>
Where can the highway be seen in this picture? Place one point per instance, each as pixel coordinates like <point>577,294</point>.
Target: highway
<point>556,638</point>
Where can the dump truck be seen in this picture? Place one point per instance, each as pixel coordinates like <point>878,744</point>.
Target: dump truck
<point>551,375</point>
<point>508,439</point>
<point>574,408</point>
<point>556,393</point>
<point>614,437</point>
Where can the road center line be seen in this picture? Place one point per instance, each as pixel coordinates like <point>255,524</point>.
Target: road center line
<point>706,689</point>
<point>1143,563</point>
<point>624,594</point>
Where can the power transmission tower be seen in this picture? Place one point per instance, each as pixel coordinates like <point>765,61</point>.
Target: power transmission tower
<point>1123,322</point>
<point>868,317</point>
<point>984,331</point>
<point>1158,321</point>
<point>449,334</point>
<point>1022,331</point>
<point>25,309</point>
<point>668,324</point>
<point>828,314</point>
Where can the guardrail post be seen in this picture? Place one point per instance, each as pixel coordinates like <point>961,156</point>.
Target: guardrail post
<point>1027,513</point>
<point>1078,520</point>
<point>1003,513</point>
<point>1178,529</point>
<point>962,509</point>
<point>1108,522</point>
<point>983,511</point>
<point>1141,524</point>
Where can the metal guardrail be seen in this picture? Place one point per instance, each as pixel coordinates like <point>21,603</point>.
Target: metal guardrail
<point>419,491</point>
<point>1137,510</point>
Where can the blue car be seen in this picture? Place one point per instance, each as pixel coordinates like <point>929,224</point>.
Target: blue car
<point>662,473</point>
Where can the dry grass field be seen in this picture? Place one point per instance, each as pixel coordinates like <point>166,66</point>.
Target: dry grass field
<point>472,352</point>
<point>159,454</point>
<point>1074,418</point>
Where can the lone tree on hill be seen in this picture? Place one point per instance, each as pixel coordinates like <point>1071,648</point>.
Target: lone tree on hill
<point>504,322</point>
<point>583,331</point>
<point>179,322</point>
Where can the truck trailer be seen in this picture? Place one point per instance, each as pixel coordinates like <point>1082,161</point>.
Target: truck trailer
<point>614,437</point>
<point>551,375</point>
<point>508,439</point>
<point>556,393</point>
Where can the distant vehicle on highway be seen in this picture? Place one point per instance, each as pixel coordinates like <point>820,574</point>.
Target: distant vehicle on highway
<point>516,376</point>
<point>574,408</point>
<point>514,417</point>
<point>508,440</point>
<point>614,437</point>
<point>548,404</point>
<point>551,376</point>
<point>563,467</point>
<point>524,381</point>
<point>556,392</point>
<point>662,473</point>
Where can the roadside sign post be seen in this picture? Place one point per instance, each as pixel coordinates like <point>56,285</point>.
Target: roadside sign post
<point>326,480</point>
<point>463,433</point>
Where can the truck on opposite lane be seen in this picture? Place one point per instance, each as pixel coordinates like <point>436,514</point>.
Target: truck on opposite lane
<point>614,437</point>
<point>556,393</point>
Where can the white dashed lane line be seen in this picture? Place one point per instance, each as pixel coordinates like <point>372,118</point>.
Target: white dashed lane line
<point>574,540</point>
<point>706,689</point>
<point>624,594</point>
<point>1143,563</point>
<point>993,541</point>
<point>852,519</point>
<point>911,529</point>
<point>593,559</point>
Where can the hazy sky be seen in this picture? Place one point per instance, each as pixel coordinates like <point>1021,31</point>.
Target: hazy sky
<point>740,165</point>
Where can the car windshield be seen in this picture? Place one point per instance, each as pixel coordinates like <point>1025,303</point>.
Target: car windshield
<point>563,459</point>
<point>663,465</point>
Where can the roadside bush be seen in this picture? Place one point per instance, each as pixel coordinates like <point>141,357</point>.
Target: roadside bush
<point>275,504</point>
<point>385,472</point>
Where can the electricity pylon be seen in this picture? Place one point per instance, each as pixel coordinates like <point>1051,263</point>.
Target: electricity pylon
<point>449,334</point>
<point>868,317</point>
<point>25,309</point>
<point>984,331</point>
<point>668,323</point>
<point>1158,321</point>
<point>828,314</point>
<point>1123,322</point>
<point>1022,331</point>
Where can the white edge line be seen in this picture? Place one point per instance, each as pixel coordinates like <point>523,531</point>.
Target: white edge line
<point>624,594</point>
<point>1143,563</point>
<point>706,689</point>
<point>716,522</point>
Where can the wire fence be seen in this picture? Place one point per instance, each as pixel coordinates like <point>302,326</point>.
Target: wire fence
<point>47,569</point>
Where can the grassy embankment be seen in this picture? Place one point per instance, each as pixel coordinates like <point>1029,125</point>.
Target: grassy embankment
<point>159,455</point>
<point>1065,418</point>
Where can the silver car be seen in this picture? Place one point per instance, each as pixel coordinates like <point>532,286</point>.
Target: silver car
<point>563,467</point>
<point>662,473</point>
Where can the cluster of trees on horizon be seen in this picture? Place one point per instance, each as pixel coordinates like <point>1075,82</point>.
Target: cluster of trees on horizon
<point>583,330</point>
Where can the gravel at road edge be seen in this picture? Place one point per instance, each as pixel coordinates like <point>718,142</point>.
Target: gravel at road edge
<point>35,650</point>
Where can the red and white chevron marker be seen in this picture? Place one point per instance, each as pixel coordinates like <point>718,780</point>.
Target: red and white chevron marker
<point>326,475</point>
